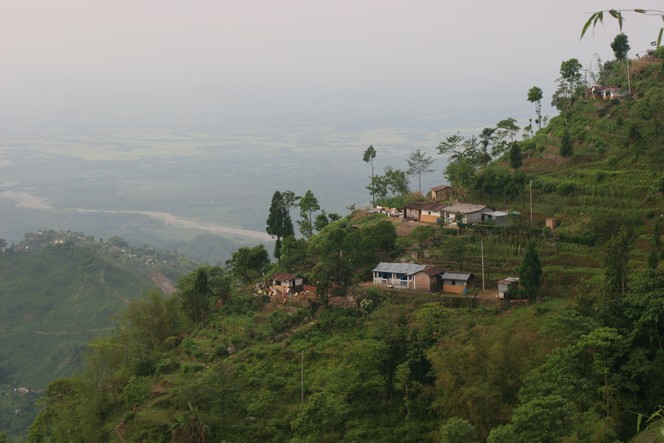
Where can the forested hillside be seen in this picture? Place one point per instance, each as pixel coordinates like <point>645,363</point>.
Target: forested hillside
<point>60,290</point>
<point>582,362</point>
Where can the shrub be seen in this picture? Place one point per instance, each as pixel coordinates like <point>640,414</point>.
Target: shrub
<point>566,188</point>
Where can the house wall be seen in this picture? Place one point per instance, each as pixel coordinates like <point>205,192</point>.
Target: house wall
<point>395,280</point>
<point>449,216</point>
<point>454,289</point>
<point>430,217</point>
<point>423,282</point>
<point>443,194</point>
<point>296,282</point>
<point>499,221</point>
<point>474,217</point>
<point>413,214</point>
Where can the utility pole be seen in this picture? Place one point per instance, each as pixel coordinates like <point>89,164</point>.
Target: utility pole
<point>629,83</point>
<point>482,252</point>
<point>302,378</point>
<point>531,204</point>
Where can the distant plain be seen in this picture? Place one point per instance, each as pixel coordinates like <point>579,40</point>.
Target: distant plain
<point>163,186</point>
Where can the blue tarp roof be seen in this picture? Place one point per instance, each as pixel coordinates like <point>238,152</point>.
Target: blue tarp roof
<point>399,268</point>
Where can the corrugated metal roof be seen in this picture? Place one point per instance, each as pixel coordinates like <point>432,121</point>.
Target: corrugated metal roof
<point>465,208</point>
<point>282,276</point>
<point>434,270</point>
<point>440,187</point>
<point>497,213</point>
<point>399,268</point>
<point>430,206</point>
<point>416,205</point>
<point>460,276</point>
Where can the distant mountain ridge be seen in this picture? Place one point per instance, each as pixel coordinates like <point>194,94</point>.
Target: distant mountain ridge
<point>59,289</point>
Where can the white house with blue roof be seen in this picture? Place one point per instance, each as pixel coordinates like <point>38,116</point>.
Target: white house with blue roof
<point>398,275</point>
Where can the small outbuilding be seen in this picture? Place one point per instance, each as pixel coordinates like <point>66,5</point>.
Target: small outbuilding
<point>551,223</point>
<point>505,284</point>
<point>429,279</point>
<point>441,193</point>
<point>500,218</point>
<point>457,282</point>
<point>286,283</point>
<point>470,213</point>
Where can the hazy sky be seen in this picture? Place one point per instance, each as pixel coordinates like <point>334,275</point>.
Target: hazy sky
<point>380,62</point>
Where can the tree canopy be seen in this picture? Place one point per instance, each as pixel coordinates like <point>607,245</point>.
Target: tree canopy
<point>419,163</point>
<point>279,223</point>
<point>620,46</point>
<point>535,96</point>
<point>530,272</point>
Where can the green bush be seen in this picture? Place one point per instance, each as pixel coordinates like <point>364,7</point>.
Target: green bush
<point>135,391</point>
<point>566,188</point>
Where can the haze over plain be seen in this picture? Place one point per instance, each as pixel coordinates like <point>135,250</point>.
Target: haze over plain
<point>202,109</point>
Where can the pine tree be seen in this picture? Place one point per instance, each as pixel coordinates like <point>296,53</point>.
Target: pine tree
<point>515,156</point>
<point>530,272</point>
<point>279,223</point>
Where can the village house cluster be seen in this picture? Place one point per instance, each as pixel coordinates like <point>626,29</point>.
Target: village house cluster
<point>439,210</point>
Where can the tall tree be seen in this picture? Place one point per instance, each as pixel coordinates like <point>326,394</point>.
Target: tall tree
<point>515,156</point>
<point>290,199</point>
<point>452,146</point>
<point>504,129</point>
<point>620,46</point>
<point>566,144</point>
<point>279,223</point>
<point>461,174</point>
<point>418,164</point>
<point>249,263</point>
<point>488,137</point>
<point>473,150</point>
<point>569,84</point>
<point>616,256</point>
<point>194,294</point>
<point>321,221</point>
<point>368,157</point>
<point>530,272</point>
<point>535,96</point>
<point>392,184</point>
<point>308,205</point>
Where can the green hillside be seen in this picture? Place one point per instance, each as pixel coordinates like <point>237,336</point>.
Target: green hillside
<point>578,358</point>
<point>60,290</point>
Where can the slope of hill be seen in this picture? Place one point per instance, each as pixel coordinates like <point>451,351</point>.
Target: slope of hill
<point>60,290</point>
<point>580,364</point>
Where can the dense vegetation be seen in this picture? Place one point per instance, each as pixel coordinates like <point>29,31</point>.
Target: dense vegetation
<point>60,290</point>
<point>583,363</point>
